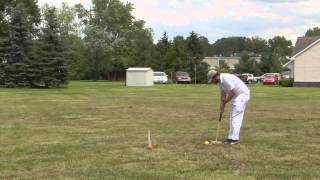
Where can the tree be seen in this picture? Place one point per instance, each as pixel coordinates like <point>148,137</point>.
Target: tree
<point>202,71</point>
<point>53,67</point>
<point>4,24</point>
<point>269,63</point>
<point>107,24</point>
<point>258,45</point>
<point>67,18</point>
<point>205,44</point>
<point>178,55</point>
<point>246,64</point>
<point>313,32</point>
<point>138,46</point>
<point>163,47</point>
<point>230,46</point>
<point>272,59</point>
<point>76,57</point>
<point>6,9</point>
<point>4,55</point>
<point>281,48</point>
<point>18,48</point>
<point>195,53</point>
<point>70,33</point>
<point>69,26</point>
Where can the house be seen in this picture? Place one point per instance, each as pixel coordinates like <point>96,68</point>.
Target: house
<point>304,65</point>
<point>218,61</point>
<point>139,77</point>
<point>231,61</point>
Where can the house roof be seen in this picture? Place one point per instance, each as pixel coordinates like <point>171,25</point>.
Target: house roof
<point>303,42</point>
<point>302,45</point>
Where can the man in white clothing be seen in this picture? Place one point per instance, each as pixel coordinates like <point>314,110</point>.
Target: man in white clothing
<point>235,91</point>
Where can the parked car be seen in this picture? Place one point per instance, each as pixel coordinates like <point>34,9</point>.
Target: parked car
<point>247,78</point>
<point>256,78</point>
<point>160,77</point>
<point>277,75</point>
<point>270,79</point>
<point>260,78</point>
<point>244,78</point>
<point>182,77</point>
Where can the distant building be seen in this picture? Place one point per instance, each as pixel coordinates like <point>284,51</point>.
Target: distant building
<point>231,61</point>
<point>304,65</point>
<point>218,61</point>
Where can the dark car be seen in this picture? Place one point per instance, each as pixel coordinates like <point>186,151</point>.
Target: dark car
<point>182,77</point>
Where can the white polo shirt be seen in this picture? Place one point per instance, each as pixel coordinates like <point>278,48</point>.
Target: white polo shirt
<point>230,82</point>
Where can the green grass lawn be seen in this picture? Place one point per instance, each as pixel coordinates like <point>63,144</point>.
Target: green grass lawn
<point>98,130</point>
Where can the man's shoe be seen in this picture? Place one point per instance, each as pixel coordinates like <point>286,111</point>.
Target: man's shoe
<point>234,142</point>
<point>231,142</point>
<point>227,141</point>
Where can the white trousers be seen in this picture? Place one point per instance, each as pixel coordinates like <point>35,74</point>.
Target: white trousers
<point>236,115</point>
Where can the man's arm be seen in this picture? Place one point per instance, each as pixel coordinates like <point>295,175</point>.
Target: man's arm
<point>225,99</point>
<point>230,96</point>
<point>222,101</point>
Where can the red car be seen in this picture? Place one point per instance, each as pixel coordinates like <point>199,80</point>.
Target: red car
<point>270,79</point>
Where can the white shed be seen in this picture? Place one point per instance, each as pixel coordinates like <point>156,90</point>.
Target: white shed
<point>139,77</point>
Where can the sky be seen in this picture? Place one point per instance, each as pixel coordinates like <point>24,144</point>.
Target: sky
<point>216,19</point>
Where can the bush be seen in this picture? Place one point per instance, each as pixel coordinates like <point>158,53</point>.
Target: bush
<point>286,82</point>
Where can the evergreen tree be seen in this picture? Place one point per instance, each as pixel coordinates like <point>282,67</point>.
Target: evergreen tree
<point>34,68</point>
<point>4,47</point>
<point>52,65</point>
<point>70,33</point>
<point>6,10</point>
<point>19,43</point>
<point>178,55</point>
<point>163,47</point>
<point>195,53</point>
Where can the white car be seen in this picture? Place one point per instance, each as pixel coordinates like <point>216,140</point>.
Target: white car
<point>250,78</point>
<point>160,77</point>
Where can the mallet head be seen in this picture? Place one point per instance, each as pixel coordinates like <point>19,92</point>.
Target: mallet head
<point>215,142</point>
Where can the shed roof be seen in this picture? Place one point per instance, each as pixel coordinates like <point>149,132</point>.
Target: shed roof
<point>140,69</point>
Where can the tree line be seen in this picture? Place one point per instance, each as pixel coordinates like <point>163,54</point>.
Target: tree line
<point>47,46</point>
